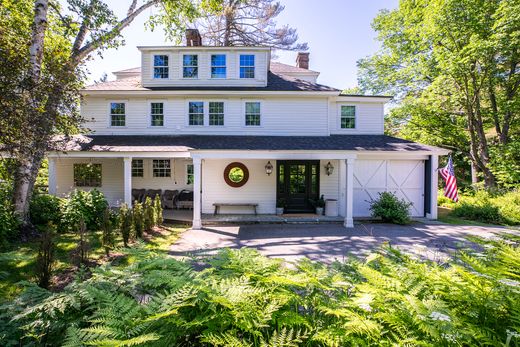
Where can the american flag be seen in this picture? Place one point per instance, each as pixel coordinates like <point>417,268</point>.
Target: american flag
<point>450,190</point>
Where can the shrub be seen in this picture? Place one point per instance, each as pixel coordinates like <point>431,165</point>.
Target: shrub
<point>149,214</point>
<point>80,255</point>
<point>138,218</point>
<point>44,209</point>
<point>157,205</point>
<point>84,205</point>
<point>9,223</point>
<point>107,238</point>
<point>390,208</point>
<point>125,223</point>
<point>45,259</point>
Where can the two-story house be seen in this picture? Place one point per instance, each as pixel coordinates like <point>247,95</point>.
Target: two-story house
<point>235,127</point>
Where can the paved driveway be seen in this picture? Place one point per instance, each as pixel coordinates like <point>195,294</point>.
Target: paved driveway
<point>327,242</point>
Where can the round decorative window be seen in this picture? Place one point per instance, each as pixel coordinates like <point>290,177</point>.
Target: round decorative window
<point>236,174</point>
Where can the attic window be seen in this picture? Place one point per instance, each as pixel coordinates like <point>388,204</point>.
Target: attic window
<point>190,66</point>
<point>247,66</point>
<point>160,66</point>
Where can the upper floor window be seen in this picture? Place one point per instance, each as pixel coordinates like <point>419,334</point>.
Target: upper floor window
<point>137,168</point>
<point>157,114</point>
<point>87,175</point>
<point>189,174</point>
<point>117,114</point>
<point>253,113</point>
<point>190,66</point>
<point>348,117</point>
<point>216,113</point>
<point>247,66</point>
<point>196,113</point>
<point>160,66</point>
<point>161,168</point>
<point>218,66</point>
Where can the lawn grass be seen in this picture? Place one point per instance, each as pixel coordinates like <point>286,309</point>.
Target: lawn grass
<point>17,261</point>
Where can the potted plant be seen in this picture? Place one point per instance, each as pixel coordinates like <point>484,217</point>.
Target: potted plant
<point>280,205</point>
<point>319,204</point>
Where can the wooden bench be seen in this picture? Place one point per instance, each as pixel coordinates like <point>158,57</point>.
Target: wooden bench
<point>233,204</point>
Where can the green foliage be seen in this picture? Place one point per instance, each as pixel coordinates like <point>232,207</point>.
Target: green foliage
<point>8,221</point>
<point>81,253</point>
<point>149,214</point>
<point>84,205</point>
<point>108,237</point>
<point>125,223</point>
<point>157,206</point>
<point>245,299</point>
<point>390,208</point>
<point>138,218</point>
<point>45,259</point>
<point>505,163</point>
<point>318,202</point>
<point>44,209</point>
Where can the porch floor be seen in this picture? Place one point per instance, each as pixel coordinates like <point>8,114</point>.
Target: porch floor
<point>186,216</point>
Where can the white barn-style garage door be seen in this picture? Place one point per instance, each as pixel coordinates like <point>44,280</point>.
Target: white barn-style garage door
<point>405,178</point>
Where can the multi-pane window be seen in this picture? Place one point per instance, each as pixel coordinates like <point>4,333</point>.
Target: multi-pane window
<point>196,113</point>
<point>161,168</point>
<point>137,168</point>
<point>348,117</point>
<point>157,114</point>
<point>253,113</point>
<point>189,174</point>
<point>216,113</point>
<point>247,66</point>
<point>190,63</point>
<point>117,114</point>
<point>87,175</point>
<point>160,66</point>
<point>218,66</point>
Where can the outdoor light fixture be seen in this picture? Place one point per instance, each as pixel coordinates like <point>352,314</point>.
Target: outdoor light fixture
<point>329,169</point>
<point>268,168</point>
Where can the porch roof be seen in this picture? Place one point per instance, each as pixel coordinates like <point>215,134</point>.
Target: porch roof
<point>185,143</point>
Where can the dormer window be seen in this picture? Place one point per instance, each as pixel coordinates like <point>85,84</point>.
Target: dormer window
<point>218,66</point>
<point>190,66</point>
<point>247,66</point>
<point>160,66</point>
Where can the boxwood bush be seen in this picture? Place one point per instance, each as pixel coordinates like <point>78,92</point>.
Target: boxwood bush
<point>45,208</point>
<point>390,208</point>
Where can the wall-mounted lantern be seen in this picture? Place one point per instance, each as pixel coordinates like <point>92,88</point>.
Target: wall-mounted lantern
<point>329,169</point>
<point>268,168</point>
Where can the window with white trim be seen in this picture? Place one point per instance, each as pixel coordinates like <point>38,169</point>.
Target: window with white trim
<point>137,168</point>
<point>87,175</point>
<point>161,168</point>
<point>218,66</point>
<point>160,66</point>
<point>157,114</point>
<point>196,113</point>
<point>189,174</point>
<point>117,114</point>
<point>247,66</point>
<point>190,66</point>
<point>216,113</point>
<point>252,115</point>
<point>348,117</point>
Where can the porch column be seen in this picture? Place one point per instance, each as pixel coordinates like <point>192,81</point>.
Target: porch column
<point>52,175</point>
<point>342,174</point>
<point>197,221</point>
<point>349,221</point>
<point>434,164</point>
<point>127,179</point>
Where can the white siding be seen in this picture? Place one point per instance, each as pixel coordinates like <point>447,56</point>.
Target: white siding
<point>279,116</point>
<point>177,181</point>
<point>369,118</point>
<point>204,68</point>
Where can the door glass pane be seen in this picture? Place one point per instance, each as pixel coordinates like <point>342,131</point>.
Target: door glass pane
<point>281,179</point>
<point>314,179</point>
<point>297,179</point>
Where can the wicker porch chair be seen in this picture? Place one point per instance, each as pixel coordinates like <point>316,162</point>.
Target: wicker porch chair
<point>168,198</point>
<point>138,195</point>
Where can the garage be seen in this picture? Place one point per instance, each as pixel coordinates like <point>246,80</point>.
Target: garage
<point>404,178</point>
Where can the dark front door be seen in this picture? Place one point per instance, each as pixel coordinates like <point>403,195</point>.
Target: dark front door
<point>298,184</point>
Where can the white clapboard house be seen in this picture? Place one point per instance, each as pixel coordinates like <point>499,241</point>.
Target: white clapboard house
<point>231,129</point>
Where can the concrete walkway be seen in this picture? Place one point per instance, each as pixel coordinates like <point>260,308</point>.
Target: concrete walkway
<point>328,242</point>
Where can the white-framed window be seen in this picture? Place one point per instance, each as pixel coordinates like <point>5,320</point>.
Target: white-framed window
<point>196,113</point>
<point>247,66</point>
<point>161,168</point>
<point>189,174</point>
<point>137,168</point>
<point>117,114</point>
<point>218,66</point>
<point>87,175</point>
<point>157,114</point>
<point>160,66</point>
<point>252,113</point>
<point>190,66</point>
<point>216,113</point>
<point>348,117</point>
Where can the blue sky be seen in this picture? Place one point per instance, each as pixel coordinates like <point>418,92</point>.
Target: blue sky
<point>338,33</point>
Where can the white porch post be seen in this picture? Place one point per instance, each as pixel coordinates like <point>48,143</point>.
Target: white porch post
<point>197,183</point>
<point>349,221</point>
<point>434,186</point>
<point>127,178</point>
<point>342,174</point>
<point>52,175</point>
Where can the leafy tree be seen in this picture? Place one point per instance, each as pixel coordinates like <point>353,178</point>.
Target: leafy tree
<point>249,23</point>
<point>454,68</point>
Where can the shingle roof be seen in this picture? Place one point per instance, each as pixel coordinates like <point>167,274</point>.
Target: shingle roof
<point>278,67</point>
<point>179,143</point>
